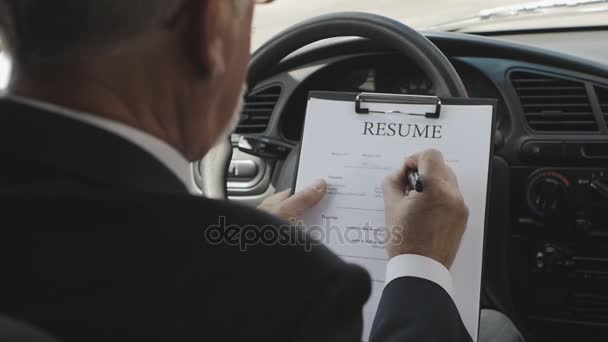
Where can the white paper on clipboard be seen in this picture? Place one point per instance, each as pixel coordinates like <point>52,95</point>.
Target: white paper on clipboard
<point>354,152</point>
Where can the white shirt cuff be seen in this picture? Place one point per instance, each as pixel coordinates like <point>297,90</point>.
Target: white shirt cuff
<point>411,265</point>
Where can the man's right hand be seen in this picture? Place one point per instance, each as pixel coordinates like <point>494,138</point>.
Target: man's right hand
<point>430,223</point>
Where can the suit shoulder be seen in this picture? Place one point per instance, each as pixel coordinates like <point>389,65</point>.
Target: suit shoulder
<point>210,228</point>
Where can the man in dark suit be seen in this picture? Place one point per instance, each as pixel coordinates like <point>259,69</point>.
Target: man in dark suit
<point>103,238</point>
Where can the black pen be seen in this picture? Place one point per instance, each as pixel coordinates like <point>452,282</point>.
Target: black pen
<point>415,181</point>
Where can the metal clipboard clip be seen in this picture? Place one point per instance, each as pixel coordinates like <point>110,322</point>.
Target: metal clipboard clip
<point>399,99</point>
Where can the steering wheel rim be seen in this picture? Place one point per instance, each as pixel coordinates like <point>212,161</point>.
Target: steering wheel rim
<point>383,30</point>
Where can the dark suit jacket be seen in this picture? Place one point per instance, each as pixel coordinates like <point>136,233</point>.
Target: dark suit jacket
<point>100,242</point>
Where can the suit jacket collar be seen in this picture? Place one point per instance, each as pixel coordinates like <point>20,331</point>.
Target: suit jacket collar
<point>79,150</point>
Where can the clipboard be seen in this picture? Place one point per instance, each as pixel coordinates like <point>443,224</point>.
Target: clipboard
<point>359,99</point>
<point>363,105</point>
<point>403,99</point>
<point>370,98</point>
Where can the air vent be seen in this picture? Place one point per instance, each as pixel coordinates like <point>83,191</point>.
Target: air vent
<point>553,104</point>
<point>258,110</point>
<point>589,307</point>
<point>602,95</point>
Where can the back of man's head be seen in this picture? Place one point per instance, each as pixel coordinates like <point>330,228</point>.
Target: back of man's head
<point>39,31</point>
<point>172,68</point>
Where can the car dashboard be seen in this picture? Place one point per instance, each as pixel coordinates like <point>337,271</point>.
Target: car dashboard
<point>546,258</point>
<point>381,73</point>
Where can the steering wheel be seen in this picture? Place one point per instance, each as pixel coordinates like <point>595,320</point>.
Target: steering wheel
<point>387,32</point>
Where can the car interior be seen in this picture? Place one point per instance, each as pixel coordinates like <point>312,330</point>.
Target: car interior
<point>546,253</point>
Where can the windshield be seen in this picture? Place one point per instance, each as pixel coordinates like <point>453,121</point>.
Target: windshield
<point>440,15</point>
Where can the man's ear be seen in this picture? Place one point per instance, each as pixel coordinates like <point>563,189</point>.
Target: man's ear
<point>213,26</point>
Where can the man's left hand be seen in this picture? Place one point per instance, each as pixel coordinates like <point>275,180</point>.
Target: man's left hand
<point>291,207</point>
